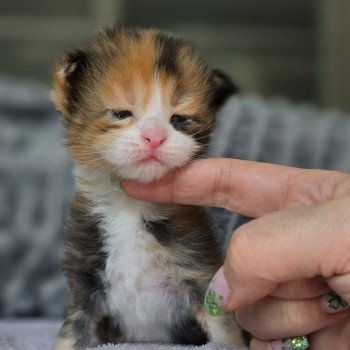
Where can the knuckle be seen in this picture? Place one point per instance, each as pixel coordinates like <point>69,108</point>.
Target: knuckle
<point>266,320</point>
<point>341,184</point>
<point>292,319</point>
<point>336,259</point>
<point>343,210</point>
<point>222,188</point>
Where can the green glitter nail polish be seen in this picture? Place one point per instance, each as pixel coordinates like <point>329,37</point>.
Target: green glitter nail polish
<point>210,303</point>
<point>296,343</point>
<point>217,294</point>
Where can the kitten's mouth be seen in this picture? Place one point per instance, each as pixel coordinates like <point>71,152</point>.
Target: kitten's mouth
<point>148,168</point>
<point>151,158</point>
<point>149,165</point>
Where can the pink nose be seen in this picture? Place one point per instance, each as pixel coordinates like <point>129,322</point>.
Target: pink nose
<point>154,135</point>
<point>154,139</point>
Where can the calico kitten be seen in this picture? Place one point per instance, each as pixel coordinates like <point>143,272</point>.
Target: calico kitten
<point>137,104</point>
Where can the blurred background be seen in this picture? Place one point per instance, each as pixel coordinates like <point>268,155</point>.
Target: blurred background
<point>293,48</point>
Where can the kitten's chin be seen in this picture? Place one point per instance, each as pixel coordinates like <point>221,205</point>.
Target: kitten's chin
<point>144,173</point>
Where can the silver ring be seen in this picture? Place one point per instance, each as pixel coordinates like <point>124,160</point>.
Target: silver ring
<point>295,343</point>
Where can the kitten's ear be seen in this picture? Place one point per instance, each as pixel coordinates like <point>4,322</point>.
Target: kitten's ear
<point>68,72</point>
<point>224,87</point>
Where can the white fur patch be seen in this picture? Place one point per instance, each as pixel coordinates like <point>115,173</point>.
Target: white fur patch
<point>142,293</point>
<point>139,292</point>
<point>155,107</point>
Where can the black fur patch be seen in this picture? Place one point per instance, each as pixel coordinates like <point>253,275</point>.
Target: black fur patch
<point>108,331</point>
<point>84,259</point>
<point>80,325</point>
<point>196,293</point>
<point>76,67</point>
<point>247,337</point>
<point>224,88</point>
<point>75,60</point>
<point>168,48</point>
<point>160,230</point>
<point>189,332</point>
<point>195,243</point>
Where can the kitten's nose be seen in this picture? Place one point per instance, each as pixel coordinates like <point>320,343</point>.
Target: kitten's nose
<point>154,134</point>
<point>154,138</point>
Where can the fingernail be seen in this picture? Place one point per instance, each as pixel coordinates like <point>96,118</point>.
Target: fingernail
<point>296,343</point>
<point>115,183</point>
<point>333,303</point>
<point>217,293</point>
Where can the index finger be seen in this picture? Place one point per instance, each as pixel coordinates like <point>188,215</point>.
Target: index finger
<point>246,187</point>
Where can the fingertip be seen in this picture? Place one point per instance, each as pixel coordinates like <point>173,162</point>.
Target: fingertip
<point>127,185</point>
<point>137,190</point>
<point>257,344</point>
<point>131,188</point>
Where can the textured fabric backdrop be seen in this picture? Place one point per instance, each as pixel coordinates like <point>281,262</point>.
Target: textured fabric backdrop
<point>36,181</point>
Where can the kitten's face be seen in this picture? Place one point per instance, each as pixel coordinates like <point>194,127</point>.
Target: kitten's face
<point>138,103</point>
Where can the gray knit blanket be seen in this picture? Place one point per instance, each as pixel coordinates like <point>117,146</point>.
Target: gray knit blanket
<point>36,185</point>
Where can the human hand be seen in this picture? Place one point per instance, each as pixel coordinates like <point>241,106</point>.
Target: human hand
<point>278,265</point>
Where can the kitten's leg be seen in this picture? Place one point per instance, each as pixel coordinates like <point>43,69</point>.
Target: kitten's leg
<point>222,329</point>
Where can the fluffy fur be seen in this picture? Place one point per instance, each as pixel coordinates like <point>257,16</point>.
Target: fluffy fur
<point>137,104</point>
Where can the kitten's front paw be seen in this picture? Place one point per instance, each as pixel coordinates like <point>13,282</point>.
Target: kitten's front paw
<point>64,344</point>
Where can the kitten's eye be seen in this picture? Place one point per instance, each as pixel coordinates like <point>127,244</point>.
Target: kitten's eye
<point>177,120</point>
<point>120,115</point>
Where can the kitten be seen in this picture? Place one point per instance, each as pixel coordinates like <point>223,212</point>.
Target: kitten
<point>137,104</point>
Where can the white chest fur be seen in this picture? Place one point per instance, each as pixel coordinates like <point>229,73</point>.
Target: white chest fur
<point>141,294</point>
